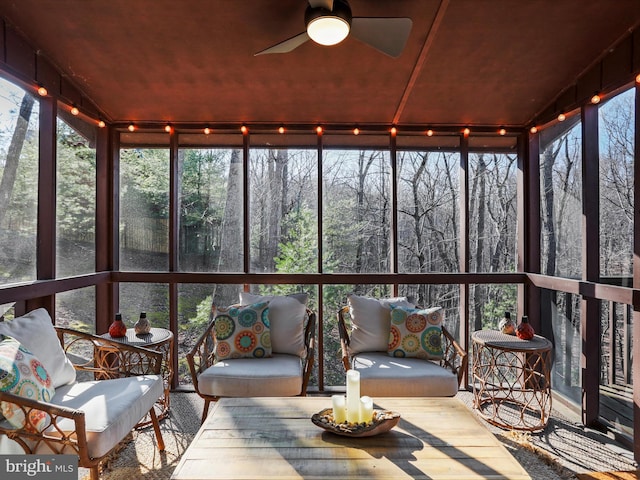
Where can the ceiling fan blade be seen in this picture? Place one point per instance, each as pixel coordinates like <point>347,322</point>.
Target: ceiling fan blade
<point>388,35</point>
<point>287,45</point>
<point>326,4</point>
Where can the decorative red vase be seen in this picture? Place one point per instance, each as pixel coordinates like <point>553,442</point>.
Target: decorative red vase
<point>525,330</point>
<point>118,329</point>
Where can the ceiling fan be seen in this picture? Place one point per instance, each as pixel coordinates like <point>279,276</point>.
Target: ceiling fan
<point>329,22</point>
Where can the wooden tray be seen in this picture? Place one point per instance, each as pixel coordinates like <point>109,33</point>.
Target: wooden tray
<point>384,420</point>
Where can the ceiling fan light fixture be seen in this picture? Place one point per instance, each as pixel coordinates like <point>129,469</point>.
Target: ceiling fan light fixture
<point>328,27</point>
<point>328,30</point>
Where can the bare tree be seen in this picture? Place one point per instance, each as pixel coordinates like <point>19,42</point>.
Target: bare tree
<point>13,154</point>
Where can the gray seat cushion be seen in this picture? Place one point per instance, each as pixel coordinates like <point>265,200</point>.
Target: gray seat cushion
<point>384,376</point>
<point>112,407</point>
<point>277,376</point>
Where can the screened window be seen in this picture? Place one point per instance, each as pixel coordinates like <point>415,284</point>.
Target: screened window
<point>617,130</point>
<point>561,198</point>
<point>211,210</point>
<point>75,198</point>
<point>356,211</point>
<point>428,212</point>
<point>284,210</point>
<point>144,209</point>
<point>19,133</point>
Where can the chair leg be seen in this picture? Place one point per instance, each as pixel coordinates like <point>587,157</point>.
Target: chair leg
<point>156,429</point>
<point>94,473</point>
<point>205,411</point>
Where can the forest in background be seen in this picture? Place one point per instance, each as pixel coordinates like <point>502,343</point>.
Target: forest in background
<point>354,212</point>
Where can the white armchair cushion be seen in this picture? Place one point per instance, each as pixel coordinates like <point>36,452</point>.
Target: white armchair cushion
<point>277,376</point>
<point>112,407</point>
<point>35,331</point>
<point>385,376</point>
<point>370,321</point>
<point>286,316</point>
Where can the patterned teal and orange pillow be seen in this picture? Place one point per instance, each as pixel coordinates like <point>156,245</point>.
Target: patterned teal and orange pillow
<point>242,332</point>
<point>416,333</point>
<point>22,374</point>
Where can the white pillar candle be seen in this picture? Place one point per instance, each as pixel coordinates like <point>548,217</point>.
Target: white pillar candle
<point>366,409</point>
<point>339,408</point>
<point>353,396</point>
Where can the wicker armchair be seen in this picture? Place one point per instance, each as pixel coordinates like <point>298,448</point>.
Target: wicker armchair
<point>282,374</point>
<point>384,375</point>
<point>92,416</point>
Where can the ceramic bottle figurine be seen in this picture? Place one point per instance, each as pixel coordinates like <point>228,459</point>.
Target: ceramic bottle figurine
<point>118,329</point>
<point>525,330</point>
<point>142,326</point>
<point>506,325</point>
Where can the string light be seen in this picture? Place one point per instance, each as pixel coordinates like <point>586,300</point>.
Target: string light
<point>638,78</point>
<point>356,131</point>
<point>167,128</point>
<point>74,111</point>
<point>131,127</point>
<point>502,131</point>
<point>562,117</point>
<point>393,130</point>
<point>244,129</point>
<point>595,99</point>
<point>466,132</point>
<point>101,124</point>
<point>42,91</point>
<point>319,130</point>
<point>281,129</point>
<point>429,133</point>
<point>207,130</point>
<point>534,129</point>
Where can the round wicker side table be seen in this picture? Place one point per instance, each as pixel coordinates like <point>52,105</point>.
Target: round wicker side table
<point>512,380</point>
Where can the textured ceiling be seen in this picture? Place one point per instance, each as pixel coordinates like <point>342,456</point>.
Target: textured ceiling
<point>476,62</point>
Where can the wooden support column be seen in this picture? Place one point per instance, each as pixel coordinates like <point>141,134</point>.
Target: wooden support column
<point>246,205</point>
<point>46,232</point>
<point>589,306</point>
<point>320,313</point>
<point>465,333</point>
<point>175,169</point>
<point>394,208</point>
<point>106,179</point>
<point>529,230</point>
<point>636,282</point>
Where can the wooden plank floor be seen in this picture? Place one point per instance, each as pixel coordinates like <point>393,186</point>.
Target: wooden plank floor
<point>274,438</point>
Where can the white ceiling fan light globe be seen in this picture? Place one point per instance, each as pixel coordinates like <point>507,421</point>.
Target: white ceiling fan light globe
<point>328,30</point>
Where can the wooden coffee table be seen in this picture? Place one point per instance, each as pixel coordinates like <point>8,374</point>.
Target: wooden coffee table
<point>274,438</point>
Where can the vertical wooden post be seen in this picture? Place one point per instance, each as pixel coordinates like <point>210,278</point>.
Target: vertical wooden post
<point>246,205</point>
<point>394,208</point>
<point>106,173</point>
<point>174,228</point>
<point>320,316</point>
<point>529,230</point>
<point>589,306</point>
<point>636,282</point>
<point>465,333</point>
<point>46,230</point>
<point>611,368</point>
